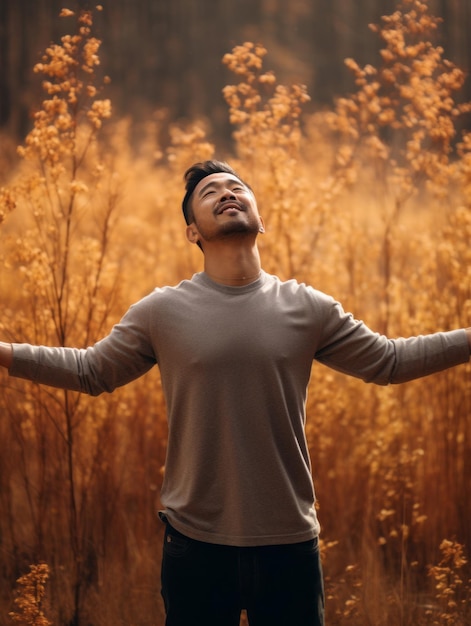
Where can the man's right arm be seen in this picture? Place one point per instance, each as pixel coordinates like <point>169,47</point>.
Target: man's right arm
<point>6,354</point>
<point>126,353</point>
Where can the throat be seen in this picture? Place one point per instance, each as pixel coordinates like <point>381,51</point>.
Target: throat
<point>234,280</point>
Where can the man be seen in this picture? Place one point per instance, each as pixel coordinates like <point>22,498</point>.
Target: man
<point>235,347</point>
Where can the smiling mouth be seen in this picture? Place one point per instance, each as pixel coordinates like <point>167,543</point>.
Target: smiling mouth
<point>229,207</point>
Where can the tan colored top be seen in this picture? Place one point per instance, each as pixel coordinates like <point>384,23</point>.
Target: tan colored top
<point>235,363</point>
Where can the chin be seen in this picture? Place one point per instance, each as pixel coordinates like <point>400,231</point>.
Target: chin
<point>239,229</point>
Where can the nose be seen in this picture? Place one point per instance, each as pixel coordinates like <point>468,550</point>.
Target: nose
<point>227,194</point>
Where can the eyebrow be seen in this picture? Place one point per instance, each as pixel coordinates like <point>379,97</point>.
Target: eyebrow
<point>213,183</point>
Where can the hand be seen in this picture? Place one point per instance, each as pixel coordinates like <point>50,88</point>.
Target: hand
<point>468,334</point>
<point>6,354</point>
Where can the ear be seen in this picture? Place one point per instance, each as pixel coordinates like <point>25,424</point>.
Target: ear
<point>262,226</point>
<point>192,233</point>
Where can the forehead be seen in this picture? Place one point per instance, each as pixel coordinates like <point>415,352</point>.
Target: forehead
<point>218,179</point>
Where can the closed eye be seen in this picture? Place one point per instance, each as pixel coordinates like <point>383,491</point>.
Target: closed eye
<point>211,191</point>
<point>212,187</point>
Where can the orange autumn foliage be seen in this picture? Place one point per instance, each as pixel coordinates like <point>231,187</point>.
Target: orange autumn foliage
<point>370,202</point>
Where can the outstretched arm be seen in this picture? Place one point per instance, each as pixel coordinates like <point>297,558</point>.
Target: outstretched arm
<point>349,346</point>
<point>6,354</point>
<point>123,355</point>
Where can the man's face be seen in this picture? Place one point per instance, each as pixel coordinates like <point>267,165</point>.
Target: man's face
<point>223,206</point>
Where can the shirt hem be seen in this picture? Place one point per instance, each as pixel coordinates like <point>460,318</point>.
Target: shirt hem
<point>237,540</point>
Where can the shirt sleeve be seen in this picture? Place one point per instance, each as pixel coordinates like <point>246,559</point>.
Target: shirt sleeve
<point>124,355</point>
<point>349,346</point>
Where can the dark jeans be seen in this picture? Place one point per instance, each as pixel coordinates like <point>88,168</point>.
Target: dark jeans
<point>208,585</point>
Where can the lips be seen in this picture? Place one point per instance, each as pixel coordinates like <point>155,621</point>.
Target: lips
<point>225,206</point>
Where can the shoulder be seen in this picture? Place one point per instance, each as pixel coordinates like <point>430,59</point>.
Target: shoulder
<point>291,288</point>
<point>160,297</point>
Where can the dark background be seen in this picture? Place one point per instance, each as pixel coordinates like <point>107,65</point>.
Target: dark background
<point>166,54</point>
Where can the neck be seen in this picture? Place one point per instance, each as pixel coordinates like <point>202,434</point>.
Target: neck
<point>234,280</point>
<point>234,268</point>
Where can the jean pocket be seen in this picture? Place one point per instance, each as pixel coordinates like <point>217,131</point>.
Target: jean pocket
<point>175,544</point>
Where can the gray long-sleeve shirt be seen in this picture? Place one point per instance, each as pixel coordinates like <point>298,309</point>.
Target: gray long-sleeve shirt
<point>235,364</point>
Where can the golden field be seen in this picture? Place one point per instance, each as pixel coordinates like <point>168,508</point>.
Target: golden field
<point>370,202</point>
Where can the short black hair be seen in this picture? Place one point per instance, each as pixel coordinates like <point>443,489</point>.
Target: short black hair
<point>195,174</point>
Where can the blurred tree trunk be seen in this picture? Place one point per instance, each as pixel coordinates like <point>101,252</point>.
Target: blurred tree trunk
<point>456,19</point>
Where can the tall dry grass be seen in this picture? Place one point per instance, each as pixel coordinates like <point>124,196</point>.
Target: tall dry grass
<point>370,202</point>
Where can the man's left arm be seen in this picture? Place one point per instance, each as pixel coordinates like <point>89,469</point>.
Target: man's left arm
<point>468,335</point>
<point>349,346</point>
